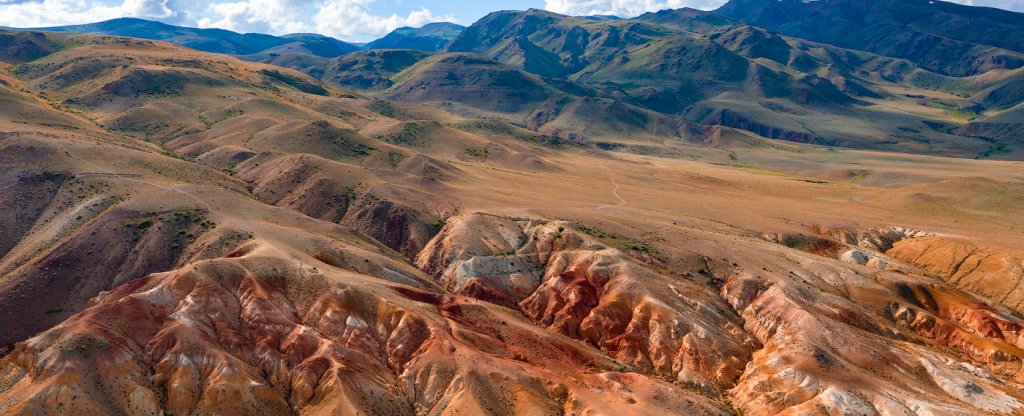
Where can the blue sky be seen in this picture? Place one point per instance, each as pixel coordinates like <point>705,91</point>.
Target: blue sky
<point>354,20</point>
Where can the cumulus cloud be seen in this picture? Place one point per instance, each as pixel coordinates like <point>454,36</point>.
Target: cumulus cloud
<point>36,13</point>
<point>147,8</point>
<point>348,19</point>
<point>263,16</point>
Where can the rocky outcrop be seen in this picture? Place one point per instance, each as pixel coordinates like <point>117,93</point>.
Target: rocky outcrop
<point>337,193</point>
<point>825,247</point>
<point>863,258</point>
<point>262,334</point>
<point>830,354</point>
<point>876,239</point>
<point>993,273</point>
<point>984,271</point>
<point>574,284</point>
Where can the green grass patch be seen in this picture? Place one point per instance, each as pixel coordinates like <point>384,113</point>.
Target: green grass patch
<point>478,153</point>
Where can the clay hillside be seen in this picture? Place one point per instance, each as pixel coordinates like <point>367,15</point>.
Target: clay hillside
<point>766,209</point>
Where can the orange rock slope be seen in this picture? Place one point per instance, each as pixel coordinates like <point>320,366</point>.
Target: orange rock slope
<point>258,333</point>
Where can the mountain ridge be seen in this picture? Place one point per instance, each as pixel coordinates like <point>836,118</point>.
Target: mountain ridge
<point>430,37</point>
<point>924,31</point>
<point>208,40</point>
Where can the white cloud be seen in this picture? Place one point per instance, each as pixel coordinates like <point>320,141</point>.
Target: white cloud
<point>36,13</point>
<point>147,8</point>
<point>263,16</point>
<point>349,18</point>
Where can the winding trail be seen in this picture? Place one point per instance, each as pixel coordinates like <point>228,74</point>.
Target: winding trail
<point>615,190</point>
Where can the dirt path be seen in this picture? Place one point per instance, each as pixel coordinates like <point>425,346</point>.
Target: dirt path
<point>615,191</point>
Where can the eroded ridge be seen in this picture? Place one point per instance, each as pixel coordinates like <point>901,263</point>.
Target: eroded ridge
<point>263,334</point>
<point>574,284</point>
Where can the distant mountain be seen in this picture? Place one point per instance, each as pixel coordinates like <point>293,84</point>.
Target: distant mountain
<point>710,68</point>
<point>660,67</point>
<point>307,52</point>
<point>214,40</point>
<point>318,45</point>
<point>907,75</point>
<point>431,37</point>
<point>369,69</point>
<point>944,37</point>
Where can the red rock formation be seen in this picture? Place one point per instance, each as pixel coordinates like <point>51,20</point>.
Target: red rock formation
<point>258,334</point>
<point>574,284</point>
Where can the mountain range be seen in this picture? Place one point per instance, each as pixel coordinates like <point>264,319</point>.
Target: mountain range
<point>431,37</point>
<point>773,208</point>
<point>774,68</point>
<point>755,65</point>
<point>792,70</point>
<point>213,40</point>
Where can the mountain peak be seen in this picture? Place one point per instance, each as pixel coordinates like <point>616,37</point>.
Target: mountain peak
<point>429,37</point>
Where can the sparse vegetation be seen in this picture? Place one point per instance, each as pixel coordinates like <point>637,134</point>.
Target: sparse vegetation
<point>396,158</point>
<point>995,149</point>
<point>477,153</point>
<point>169,153</point>
<point>439,223</point>
<point>411,135</point>
<point>619,241</point>
<point>308,86</point>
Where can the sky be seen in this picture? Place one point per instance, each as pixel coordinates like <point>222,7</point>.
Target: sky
<point>352,20</point>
